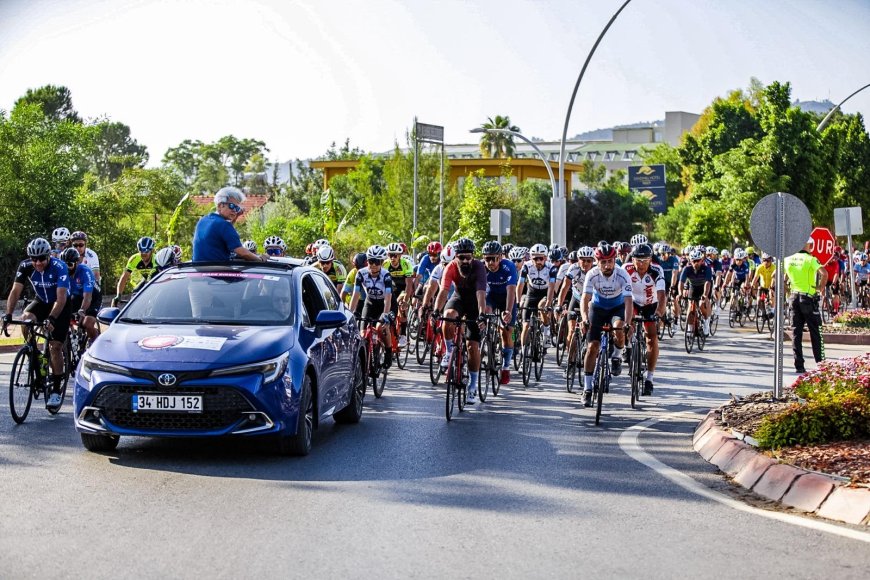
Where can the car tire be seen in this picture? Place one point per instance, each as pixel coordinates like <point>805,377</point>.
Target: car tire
<point>353,412</point>
<point>299,444</point>
<point>99,443</point>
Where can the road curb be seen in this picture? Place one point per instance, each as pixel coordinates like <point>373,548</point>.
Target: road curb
<point>836,338</point>
<point>805,490</point>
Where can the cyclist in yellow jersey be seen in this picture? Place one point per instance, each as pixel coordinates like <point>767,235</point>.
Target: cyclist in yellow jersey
<point>401,270</point>
<point>763,278</point>
<point>326,263</point>
<point>141,263</point>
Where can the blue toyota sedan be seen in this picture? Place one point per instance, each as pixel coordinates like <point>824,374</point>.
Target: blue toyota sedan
<point>232,349</point>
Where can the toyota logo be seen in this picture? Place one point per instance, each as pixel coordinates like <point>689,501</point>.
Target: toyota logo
<point>166,379</point>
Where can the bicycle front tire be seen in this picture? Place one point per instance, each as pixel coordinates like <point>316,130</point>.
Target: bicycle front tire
<point>21,386</point>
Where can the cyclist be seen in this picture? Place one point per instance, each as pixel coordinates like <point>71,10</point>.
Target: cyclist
<point>424,269</point>
<point>326,264</point>
<point>606,296</point>
<point>401,269</point>
<point>179,253</point>
<point>738,274</point>
<point>142,263</point>
<point>359,262</point>
<point>623,250</point>
<point>250,245</point>
<point>700,278</point>
<point>79,241</point>
<point>60,239</point>
<point>575,279</point>
<point>540,278</point>
<point>164,259</point>
<point>377,284</point>
<point>715,264</point>
<point>862,271</point>
<point>501,293</point>
<point>763,280</point>
<point>434,283</point>
<point>49,278</point>
<point>274,247</point>
<point>670,265</point>
<point>469,299</point>
<point>84,294</point>
<point>648,294</point>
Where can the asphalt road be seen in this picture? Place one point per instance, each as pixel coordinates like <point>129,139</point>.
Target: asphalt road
<point>523,486</point>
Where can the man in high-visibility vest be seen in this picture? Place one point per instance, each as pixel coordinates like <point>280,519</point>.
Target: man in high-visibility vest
<point>807,278</point>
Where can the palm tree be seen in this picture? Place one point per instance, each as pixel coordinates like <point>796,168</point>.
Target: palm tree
<point>498,145</point>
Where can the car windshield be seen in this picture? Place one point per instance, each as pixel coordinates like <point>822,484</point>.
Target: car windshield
<point>221,297</point>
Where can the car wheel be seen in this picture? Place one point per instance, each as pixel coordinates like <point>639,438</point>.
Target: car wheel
<point>99,443</point>
<point>353,412</point>
<point>300,442</point>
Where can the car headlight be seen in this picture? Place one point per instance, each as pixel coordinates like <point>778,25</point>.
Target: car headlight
<point>270,369</point>
<point>91,364</point>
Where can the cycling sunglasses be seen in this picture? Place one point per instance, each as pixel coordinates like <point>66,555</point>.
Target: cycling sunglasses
<point>273,251</point>
<point>465,257</point>
<point>79,245</point>
<point>539,259</point>
<point>375,262</point>
<point>236,208</point>
<point>491,258</point>
<point>39,258</point>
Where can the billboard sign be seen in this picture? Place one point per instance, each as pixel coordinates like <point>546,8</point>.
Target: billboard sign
<point>649,181</point>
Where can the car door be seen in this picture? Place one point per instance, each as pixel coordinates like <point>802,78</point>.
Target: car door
<point>322,349</point>
<point>341,338</point>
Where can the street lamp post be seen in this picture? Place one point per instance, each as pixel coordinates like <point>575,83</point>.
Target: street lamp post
<point>560,206</point>
<point>830,114</point>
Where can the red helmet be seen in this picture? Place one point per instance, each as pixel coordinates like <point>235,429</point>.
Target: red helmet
<point>604,251</point>
<point>404,247</point>
<point>838,249</point>
<point>434,248</point>
<point>309,250</point>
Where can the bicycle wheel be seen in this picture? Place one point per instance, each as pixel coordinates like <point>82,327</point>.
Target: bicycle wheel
<point>636,374</point>
<point>495,368</point>
<point>700,337</point>
<point>601,386</point>
<point>402,355</point>
<point>420,346</point>
<point>450,401</point>
<point>669,318</point>
<point>538,359</point>
<point>21,386</point>
<point>527,362</point>
<point>413,325</point>
<point>689,335</point>
<point>660,328</point>
<point>760,317</point>
<point>561,342</point>
<point>377,367</point>
<point>518,351</point>
<point>684,309</point>
<point>750,309</point>
<point>435,349</point>
<point>461,379</point>
<point>714,324</point>
<point>485,371</point>
<point>572,361</point>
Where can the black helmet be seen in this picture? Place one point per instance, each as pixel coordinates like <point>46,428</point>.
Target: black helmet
<point>555,255</point>
<point>464,246</point>
<point>642,251</point>
<point>492,247</point>
<point>359,261</point>
<point>572,257</point>
<point>506,249</point>
<point>70,255</point>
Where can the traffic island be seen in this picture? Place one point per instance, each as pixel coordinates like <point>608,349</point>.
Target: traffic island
<point>827,496</point>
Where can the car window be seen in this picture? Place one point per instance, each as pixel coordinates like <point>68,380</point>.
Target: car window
<point>327,291</point>
<point>312,300</point>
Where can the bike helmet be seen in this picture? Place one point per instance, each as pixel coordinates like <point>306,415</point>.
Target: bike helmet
<point>712,250</point>
<point>604,251</point>
<point>320,242</point>
<point>517,253</point>
<point>60,235</point>
<point>359,261</point>
<point>434,248</point>
<point>666,249</point>
<point>624,248</point>
<point>863,256</point>
<point>250,245</point>
<point>553,246</point>
<point>404,247</point>
<point>70,256</point>
<point>657,248</point>
<point>492,247</point>
<point>325,254</point>
<point>751,249</point>
<point>585,252</point>
<point>463,246</point>
<point>394,248</point>
<point>78,235</point>
<point>696,255</point>
<point>38,247</point>
<point>447,254</point>
<point>726,254</point>
<point>739,254</point>
<point>506,249</point>
<point>555,255</point>
<point>638,239</point>
<point>145,244</point>
<point>766,256</point>
<point>376,252</point>
<point>572,257</point>
<point>274,242</point>
<point>538,250</point>
<point>165,258</point>
<point>642,251</point>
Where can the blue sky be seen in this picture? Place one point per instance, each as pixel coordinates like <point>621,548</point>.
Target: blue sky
<point>302,74</point>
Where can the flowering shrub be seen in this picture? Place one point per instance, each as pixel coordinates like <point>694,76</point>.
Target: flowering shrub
<point>837,406</point>
<point>859,318</point>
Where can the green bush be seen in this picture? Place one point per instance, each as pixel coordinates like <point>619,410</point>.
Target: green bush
<point>833,417</point>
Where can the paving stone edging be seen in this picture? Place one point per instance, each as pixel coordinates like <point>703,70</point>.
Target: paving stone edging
<point>808,491</point>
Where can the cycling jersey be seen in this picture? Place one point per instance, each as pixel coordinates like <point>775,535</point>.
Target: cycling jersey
<point>607,291</point>
<point>538,279</point>
<point>726,264</point>
<point>137,264</point>
<point>740,270</point>
<point>765,274</point>
<point>399,273</point>
<point>578,278</point>
<point>497,282</point>
<point>91,260</point>
<point>466,286</point>
<point>334,275</point>
<point>716,265</point>
<point>563,271</point>
<point>375,286</point>
<point>862,272</point>
<point>424,268</point>
<point>46,283</point>
<point>644,289</point>
<point>81,281</point>
<point>698,277</point>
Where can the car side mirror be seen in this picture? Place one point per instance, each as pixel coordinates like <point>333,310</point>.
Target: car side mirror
<point>108,315</point>
<point>330,319</point>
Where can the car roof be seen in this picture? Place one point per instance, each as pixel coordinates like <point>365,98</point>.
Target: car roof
<point>274,264</point>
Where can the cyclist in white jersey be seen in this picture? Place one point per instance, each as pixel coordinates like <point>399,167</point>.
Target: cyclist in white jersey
<point>79,241</point>
<point>606,296</point>
<point>648,292</point>
<point>538,276</point>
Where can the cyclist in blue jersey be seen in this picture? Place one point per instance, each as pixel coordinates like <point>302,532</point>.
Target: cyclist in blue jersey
<point>85,296</point>
<point>501,289</point>
<point>700,277</point>
<point>49,278</point>
<point>424,269</point>
<point>738,274</point>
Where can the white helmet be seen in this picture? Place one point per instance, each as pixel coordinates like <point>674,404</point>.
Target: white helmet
<point>325,253</point>
<point>60,235</point>
<point>712,250</point>
<point>696,254</point>
<point>517,253</point>
<point>739,254</point>
<point>394,248</point>
<point>165,258</point>
<point>726,254</point>
<point>38,247</point>
<point>250,245</point>
<point>321,242</point>
<point>586,252</point>
<point>638,239</point>
<point>538,250</point>
<point>274,242</point>
<point>376,252</point>
<point>447,254</point>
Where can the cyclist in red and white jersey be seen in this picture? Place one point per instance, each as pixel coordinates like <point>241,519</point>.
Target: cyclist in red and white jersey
<point>648,294</point>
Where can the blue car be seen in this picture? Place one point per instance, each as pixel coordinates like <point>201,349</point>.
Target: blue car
<point>237,349</point>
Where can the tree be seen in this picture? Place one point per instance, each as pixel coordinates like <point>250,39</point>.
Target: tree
<point>55,102</point>
<point>115,150</point>
<point>207,167</point>
<point>498,145</point>
<point>480,195</point>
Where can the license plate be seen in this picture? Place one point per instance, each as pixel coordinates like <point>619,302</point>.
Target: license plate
<point>167,403</point>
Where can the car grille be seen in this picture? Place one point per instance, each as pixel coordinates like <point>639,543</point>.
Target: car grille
<point>221,408</point>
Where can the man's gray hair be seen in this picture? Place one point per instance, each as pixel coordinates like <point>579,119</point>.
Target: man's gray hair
<point>229,194</point>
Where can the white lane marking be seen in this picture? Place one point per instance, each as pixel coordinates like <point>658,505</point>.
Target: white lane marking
<point>629,444</point>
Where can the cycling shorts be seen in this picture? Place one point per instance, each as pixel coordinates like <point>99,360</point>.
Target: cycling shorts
<point>645,311</point>
<point>467,308</point>
<point>499,302</point>
<point>598,317</point>
<point>533,299</point>
<point>96,303</point>
<point>373,309</point>
<point>41,310</point>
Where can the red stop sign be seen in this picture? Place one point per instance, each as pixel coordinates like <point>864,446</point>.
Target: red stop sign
<point>823,244</point>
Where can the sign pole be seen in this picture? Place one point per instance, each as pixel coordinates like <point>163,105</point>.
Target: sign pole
<point>414,227</point>
<point>441,197</point>
<point>780,284</point>
<point>849,271</point>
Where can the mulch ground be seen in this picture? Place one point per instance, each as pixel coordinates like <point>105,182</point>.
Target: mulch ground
<point>844,458</point>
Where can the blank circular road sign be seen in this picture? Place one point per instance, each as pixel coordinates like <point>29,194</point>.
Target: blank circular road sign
<point>796,224</point>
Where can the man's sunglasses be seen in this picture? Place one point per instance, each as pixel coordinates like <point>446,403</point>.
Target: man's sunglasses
<point>539,259</point>
<point>326,262</point>
<point>586,260</point>
<point>517,261</point>
<point>491,258</point>
<point>79,245</point>
<point>394,255</point>
<point>72,264</point>
<point>236,208</point>
<point>465,257</point>
<point>39,258</point>
<point>375,262</point>
<point>273,251</point>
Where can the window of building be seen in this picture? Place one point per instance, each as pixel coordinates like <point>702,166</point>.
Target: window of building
<point>591,156</point>
<point>628,155</point>
<point>610,156</point>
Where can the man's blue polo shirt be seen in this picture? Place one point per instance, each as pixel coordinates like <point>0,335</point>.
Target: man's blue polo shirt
<point>214,239</point>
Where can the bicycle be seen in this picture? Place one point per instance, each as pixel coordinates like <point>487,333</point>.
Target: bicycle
<point>424,334</point>
<point>561,341</point>
<point>666,324</point>
<point>576,353</point>
<point>637,361</point>
<point>490,356</point>
<point>737,314</point>
<point>763,312</point>
<point>602,374</point>
<point>518,352</point>
<point>437,350</point>
<point>457,370</point>
<point>694,333</point>
<point>74,346</point>
<point>375,355</point>
<point>30,375</point>
<point>533,349</point>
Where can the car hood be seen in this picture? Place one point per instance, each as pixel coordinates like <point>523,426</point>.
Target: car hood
<point>186,347</point>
